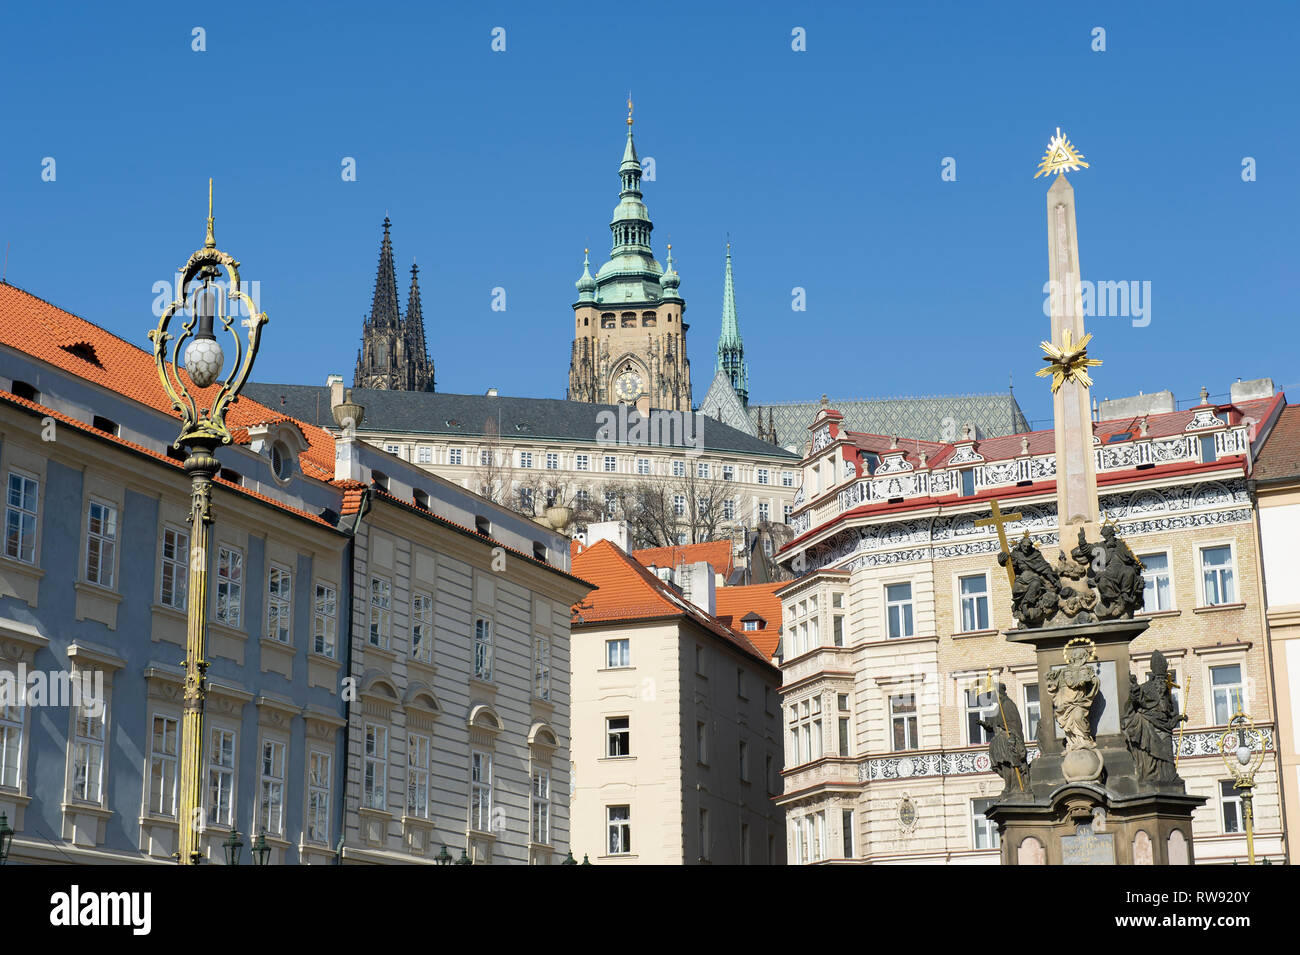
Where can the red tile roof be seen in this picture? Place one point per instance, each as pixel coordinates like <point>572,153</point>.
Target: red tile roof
<point>46,332</point>
<point>735,603</point>
<point>716,553</point>
<point>626,591</point>
<point>1279,459</point>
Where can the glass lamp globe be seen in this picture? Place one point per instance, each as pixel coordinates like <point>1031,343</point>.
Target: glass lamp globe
<point>1243,755</point>
<point>203,361</point>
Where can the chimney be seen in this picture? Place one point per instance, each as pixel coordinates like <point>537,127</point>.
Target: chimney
<point>613,531</point>
<point>699,586</point>
<point>335,385</point>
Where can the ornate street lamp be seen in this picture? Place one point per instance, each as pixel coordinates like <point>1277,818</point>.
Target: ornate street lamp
<point>1243,761</point>
<point>261,849</point>
<point>464,858</point>
<point>6,838</point>
<point>443,857</point>
<point>203,430</point>
<point>569,859</point>
<point>232,847</point>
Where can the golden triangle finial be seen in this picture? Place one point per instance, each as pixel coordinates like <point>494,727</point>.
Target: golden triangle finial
<point>210,242</point>
<point>629,107</point>
<point>1060,156</point>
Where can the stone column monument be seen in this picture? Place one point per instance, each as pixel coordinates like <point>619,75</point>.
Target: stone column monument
<point>1104,789</point>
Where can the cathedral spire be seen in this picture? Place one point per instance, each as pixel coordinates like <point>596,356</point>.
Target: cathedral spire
<point>421,365</point>
<point>731,350</point>
<point>383,307</point>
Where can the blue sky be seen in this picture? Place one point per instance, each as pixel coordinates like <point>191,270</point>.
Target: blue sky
<point>823,165</point>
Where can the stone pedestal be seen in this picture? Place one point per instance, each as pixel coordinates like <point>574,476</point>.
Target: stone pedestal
<point>1077,814</point>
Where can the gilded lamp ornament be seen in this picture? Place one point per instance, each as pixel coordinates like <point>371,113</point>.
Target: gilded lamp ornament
<point>202,409</point>
<point>1068,361</point>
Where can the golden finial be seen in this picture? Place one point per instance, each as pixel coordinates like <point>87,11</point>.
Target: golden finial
<point>1060,156</point>
<point>670,246</point>
<point>629,107</point>
<point>585,251</point>
<point>210,242</point>
<point>1068,361</point>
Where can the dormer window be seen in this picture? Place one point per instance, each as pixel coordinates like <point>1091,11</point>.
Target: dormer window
<point>23,390</point>
<point>483,525</point>
<point>379,479</point>
<point>421,499</point>
<point>281,461</point>
<point>100,423</point>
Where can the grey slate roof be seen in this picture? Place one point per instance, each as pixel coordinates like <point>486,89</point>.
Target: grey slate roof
<point>930,418</point>
<point>442,414</point>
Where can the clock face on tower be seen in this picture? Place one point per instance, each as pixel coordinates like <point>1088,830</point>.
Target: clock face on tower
<point>627,386</point>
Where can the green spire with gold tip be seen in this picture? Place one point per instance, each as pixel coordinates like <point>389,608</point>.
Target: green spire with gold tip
<point>731,350</point>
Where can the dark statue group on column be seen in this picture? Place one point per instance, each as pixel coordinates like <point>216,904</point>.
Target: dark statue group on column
<point>1100,581</point>
<point>1149,721</point>
<point>1007,752</point>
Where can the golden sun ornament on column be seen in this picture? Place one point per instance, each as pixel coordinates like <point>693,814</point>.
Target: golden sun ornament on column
<point>1069,362</point>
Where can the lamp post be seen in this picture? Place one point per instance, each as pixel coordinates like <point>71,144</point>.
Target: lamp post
<point>6,838</point>
<point>443,857</point>
<point>1243,761</point>
<point>202,409</point>
<point>261,849</point>
<point>232,847</point>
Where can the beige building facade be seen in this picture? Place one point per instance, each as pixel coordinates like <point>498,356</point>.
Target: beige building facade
<point>893,632</point>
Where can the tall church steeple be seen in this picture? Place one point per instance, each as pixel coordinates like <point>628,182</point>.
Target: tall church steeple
<point>731,350</point>
<point>393,355</point>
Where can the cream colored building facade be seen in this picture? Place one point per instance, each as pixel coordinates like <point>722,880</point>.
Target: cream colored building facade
<point>676,749</point>
<point>895,626</point>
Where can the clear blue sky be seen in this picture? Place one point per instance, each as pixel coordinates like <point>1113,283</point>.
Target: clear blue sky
<point>824,166</point>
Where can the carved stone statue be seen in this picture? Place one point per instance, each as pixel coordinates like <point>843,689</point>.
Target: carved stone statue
<point>1150,718</point>
<point>1034,594</point>
<point>1007,752</point>
<point>1117,575</point>
<point>1072,689</point>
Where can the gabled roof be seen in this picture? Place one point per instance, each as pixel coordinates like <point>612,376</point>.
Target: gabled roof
<point>465,416</point>
<point>48,333</point>
<point>716,553</point>
<point>627,592</point>
<point>738,604</point>
<point>1279,459</point>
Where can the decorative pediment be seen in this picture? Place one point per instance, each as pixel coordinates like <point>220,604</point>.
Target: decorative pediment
<point>1203,419</point>
<point>894,462</point>
<point>966,454</point>
<point>541,735</point>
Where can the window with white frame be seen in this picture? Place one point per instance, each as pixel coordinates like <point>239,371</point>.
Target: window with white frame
<point>381,611</point>
<point>974,593</point>
<point>484,458</point>
<point>642,465</point>
<point>618,736</point>
<point>618,653</point>
<point>618,820</point>
<point>728,508</point>
<point>786,511</point>
<point>679,505</point>
<point>422,626</point>
<point>11,745</point>
<point>701,469</point>
<point>1230,806</point>
<point>542,666</point>
<point>1227,692</point>
<point>812,842</point>
<point>393,448</point>
<point>984,834</point>
<point>482,648</point>
<point>611,504</point>
<point>611,463</point>
<point>175,568</point>
<point>581,462</point>
<point>455,456</point>
<point>552,461</point>
<point>279,594</point>
<point>763,476</point>
<point>88,755</point>
<point>417,775</point>
<point>728,472</point>
<point>582,498</point>
<point>979,706</point>
<point>898,610</point>
<point>325,624</point>
<point>787,479</point>
<point>1157,594</point>
<point>101,542</point>
<point>375,767</point>
<point>806,731</point>
<point>271,803</point>
<point>541,807</point>
<point>526,499</point>
<point>679,469</point>
<point>424,454</point>
<point>902,721</point>
<point>525,459</point>
<point>1033,711</point>
<point>480,791</point>
<point>21,511</point>
<point>163,764</point>
<point>221,777</point>
<point>750,625</point>
<point>764,511</point>
<point>230,585</point>
<point>1217,576</point>
<point>318,797</point>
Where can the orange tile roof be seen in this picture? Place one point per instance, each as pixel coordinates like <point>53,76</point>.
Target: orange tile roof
<point>626,591</point>
<point>48,333</point>
<point>1279,459</point>
<point>735,603</point>
<point>716,553</point>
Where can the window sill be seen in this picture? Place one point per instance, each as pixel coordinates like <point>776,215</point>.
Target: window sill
<point>614,669</point>
<point>177,613</point>
<point>614,759</point>
<point>324,659</point>
<point>88,808</point>
<point>226,630</point>
<point>974,633</point>
<point>1158,613</point>
<point>382,652</point>
<point>1215,608</point>
<point>619,855</point>
<point>425,668</point>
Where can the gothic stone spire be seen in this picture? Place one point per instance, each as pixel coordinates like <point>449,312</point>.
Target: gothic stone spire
<point>731,350</point>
